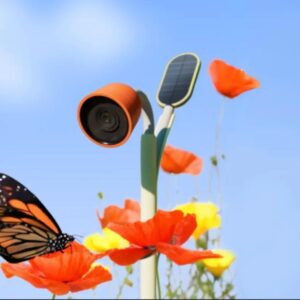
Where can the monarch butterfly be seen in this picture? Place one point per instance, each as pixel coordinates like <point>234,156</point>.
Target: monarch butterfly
<point>27,229</point>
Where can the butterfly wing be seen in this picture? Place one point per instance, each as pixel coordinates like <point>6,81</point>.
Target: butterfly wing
<point>15,195</point>
<point>26,226</point>
<point>19,242</point>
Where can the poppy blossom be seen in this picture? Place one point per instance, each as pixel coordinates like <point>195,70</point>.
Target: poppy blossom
<point>207,216</point>
<point>218,266</point>
<point>178,161</point>
<point>114,214</point>
<point>103,242</point>
<point>164,233</point>
<point>61,272</point>
<point>230,81</point>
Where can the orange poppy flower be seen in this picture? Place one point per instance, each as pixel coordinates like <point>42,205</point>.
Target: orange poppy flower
<point>230,81</point>
<point>179,161</point>
<point>164,233</point>
<point>61,272</point>
<point>114,214</point>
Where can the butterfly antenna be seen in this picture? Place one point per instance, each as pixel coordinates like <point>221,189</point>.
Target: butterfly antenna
<point>77,236</point>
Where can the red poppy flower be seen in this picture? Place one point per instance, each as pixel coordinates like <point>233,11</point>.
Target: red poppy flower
<point>230,81</point>
<point>164,233</point>
<point>61,272</point>
<point>114,214</point>
<point>179,161</point>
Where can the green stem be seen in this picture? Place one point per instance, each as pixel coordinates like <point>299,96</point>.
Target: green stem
<point>125,281</point>
<point>119,294</point>
<point>169,292</point>
<point>216,146</point>
<point>157,277</point>
<point>53,296</point>
<point>216,167</point>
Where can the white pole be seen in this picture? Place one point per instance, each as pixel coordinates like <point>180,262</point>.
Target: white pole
<point>151,149</point>
<point>148,192</point>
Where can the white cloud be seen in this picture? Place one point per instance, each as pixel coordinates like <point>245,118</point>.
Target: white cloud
<point>87,32</point>
<point>97,32</point>
<point>15,76</point>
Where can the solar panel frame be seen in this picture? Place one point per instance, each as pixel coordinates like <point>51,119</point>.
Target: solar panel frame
<point>191,85</point>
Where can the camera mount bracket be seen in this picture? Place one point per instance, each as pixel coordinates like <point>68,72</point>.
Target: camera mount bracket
<point>175,90</point>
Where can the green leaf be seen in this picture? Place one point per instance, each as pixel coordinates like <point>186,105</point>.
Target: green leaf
<point>100,195</point>
<point>226,292</point>
<point>129,269</point>
<point>200,267</point>
<point>201,243</point>
<point>214,160</point>
<point>229,287</point>
<point>128,282</point>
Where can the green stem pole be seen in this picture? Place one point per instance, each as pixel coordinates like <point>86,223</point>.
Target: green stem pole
<point>148,191</point>
<point>148,209</point>
<point>152,145</point>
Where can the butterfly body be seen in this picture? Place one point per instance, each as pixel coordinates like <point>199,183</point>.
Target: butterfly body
<point>27,229</point>
<point>60,242</point>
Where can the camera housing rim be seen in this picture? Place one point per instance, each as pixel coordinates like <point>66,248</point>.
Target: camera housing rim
<point>123,95</point>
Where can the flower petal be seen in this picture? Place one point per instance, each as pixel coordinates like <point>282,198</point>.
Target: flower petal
<point>22,270</point>
<point>184,229</point>
<point>55,287</point>
<point>218,266</point>
<point>160,228</point>
<point>70,264</point>
<point>206,216</point>
<point>183,256</point>
<point>230,81</point>
<point>114,214</point>
<point>128,256</point>
<point>107,241</point>
<point>178,161</point>
<point>55,271</point>
<point>133,206</point>
<point>27,273</point>
<point>94,277</point>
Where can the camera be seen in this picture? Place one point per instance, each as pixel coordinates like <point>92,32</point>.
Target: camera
<point>108,115</point>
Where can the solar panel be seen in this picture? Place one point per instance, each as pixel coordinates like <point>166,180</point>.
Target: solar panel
<point>179,79</point>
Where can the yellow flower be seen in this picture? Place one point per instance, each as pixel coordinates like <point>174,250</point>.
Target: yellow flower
<point>217,266</point>
<point>206,216</point>
<point>103,242</point>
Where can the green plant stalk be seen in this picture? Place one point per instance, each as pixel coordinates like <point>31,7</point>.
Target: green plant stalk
<point>157,277</point>
<point>125,282</point>
<point>215,164</point>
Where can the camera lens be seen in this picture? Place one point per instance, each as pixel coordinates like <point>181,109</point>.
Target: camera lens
<point>104,120</point>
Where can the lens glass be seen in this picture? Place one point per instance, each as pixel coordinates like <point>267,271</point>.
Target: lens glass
<point>104,120</point>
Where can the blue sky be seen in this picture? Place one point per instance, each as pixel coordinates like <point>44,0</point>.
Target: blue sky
<point>53,53</point>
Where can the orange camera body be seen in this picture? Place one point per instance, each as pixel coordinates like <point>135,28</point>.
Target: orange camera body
<point>108,115</point>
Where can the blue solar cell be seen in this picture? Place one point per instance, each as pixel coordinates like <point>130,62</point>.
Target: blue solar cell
<point>178,79</point>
